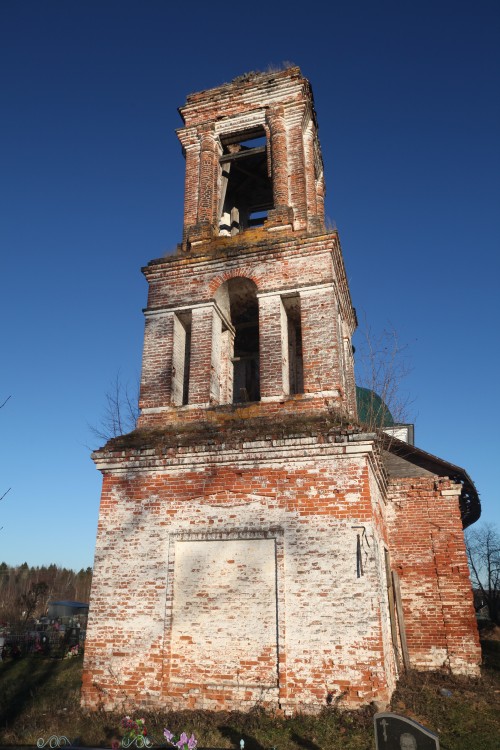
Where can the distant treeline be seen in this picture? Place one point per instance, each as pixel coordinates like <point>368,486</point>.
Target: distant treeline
<point>26,591</point>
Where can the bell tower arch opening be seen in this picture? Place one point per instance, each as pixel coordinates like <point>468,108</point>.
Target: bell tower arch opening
<point>252,159</point>
<point>246,190</point>
<point>237,300</point>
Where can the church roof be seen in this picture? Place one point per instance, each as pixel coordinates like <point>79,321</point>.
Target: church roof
<point>372,410</point>
<point>404,453</point>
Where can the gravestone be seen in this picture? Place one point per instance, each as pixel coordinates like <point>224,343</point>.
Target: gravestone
<point>394,732</point>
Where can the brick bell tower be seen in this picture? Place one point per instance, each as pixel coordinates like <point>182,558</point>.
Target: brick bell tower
<point>254,308</point>
<point>241,555</point>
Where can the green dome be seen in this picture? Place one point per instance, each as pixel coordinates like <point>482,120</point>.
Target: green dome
<point>371,409</point>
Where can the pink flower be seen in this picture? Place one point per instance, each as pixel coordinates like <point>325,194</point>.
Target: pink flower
<point>192,742</point>
<point>167,734</point>
<point>183,740</point>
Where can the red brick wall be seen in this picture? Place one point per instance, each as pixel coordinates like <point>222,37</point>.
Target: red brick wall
<point>305,494</point>
<point>428,551</point>
<point>320,342</point>
<point>200,380</point>
<point>308,267</point>
<point>271,349</point>
<point>281,104</point>
<point>156,379</point>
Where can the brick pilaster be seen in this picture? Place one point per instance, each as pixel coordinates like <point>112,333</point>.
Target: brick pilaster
<point>320,343</point>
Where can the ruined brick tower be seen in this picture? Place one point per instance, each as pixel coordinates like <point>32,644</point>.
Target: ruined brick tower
<point>255,544</point>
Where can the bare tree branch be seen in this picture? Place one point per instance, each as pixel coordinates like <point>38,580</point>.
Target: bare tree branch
<point>381,367</point>
<point>121,412</point>
<point>2,405</point>
<point>6,491</point>
<point>483,553</point>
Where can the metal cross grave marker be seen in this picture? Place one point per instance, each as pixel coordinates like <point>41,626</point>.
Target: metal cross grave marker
<point>395,732</point>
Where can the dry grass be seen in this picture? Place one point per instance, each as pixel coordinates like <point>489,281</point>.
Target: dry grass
<point>39,698</point>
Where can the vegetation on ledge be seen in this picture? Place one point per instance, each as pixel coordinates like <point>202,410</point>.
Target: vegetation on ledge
<point>239,423</point>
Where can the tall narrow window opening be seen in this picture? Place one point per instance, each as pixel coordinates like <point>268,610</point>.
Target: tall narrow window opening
<point>294,337</point>
<point>246,193</point>
<point>181,358</point>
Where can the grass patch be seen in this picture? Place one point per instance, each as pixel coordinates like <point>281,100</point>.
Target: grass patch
<point>41,697</point>
<point>457,709</point>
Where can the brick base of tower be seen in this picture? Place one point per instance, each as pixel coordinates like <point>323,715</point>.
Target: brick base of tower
<point>242,562</point>
<point>228,575</point>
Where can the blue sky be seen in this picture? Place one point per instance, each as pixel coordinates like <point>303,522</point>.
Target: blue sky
<point>91,189</point>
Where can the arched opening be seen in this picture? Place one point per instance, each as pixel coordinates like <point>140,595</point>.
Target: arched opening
<point>246,192</point>
<point>239,371</point>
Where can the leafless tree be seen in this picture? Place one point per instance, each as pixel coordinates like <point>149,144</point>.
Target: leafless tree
<point>4,402</point>
<point>483,552</point>
<point>18,585</point>
<point>120,414</point>
<point>6,491</point>
<point>382,364</point>
<point>34,600</point>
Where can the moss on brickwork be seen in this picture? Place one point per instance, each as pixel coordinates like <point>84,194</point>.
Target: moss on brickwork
<point>253,240</point>
<point>236,427</point>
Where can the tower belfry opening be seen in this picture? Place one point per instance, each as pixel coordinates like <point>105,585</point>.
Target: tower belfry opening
<point>246,192</point>
<point>252,158</point>
<point>239,370</point>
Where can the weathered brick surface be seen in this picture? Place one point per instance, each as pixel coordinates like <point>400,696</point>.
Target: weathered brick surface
<point>272,382</point>
<point>309,267</point>
<point>201,387</point>
<point>242,548</point>
<point>280,104</point>
<point>320,336</point>
<point>427,548</point>
<point>284,514</point>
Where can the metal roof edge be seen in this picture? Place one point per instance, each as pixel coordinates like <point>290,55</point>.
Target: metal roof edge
<point>470,504</point>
